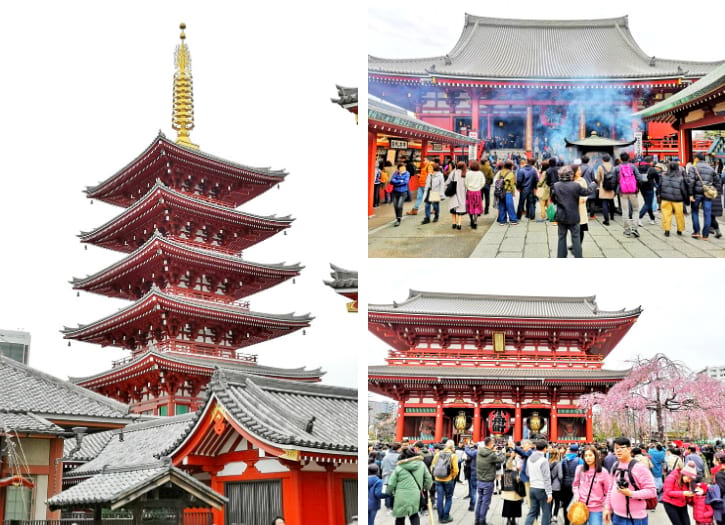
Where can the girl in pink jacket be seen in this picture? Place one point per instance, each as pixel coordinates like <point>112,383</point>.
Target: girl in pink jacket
<point>701,511</point>
<point>591,484</point>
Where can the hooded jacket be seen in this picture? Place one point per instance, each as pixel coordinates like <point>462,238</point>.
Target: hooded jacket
<point>375,492</point>
<point>406,482</point>
<point>537,468</point>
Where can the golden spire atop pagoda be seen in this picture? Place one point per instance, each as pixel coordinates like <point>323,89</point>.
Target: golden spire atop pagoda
<point>182,119</point>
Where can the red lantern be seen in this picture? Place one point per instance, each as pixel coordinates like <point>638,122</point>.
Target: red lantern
<point>498,422</point>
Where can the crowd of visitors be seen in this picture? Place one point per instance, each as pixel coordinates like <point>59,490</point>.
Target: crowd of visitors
<point>568,195</point>
<point>616,482</point>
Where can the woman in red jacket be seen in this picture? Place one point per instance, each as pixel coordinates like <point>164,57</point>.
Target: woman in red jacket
<point>677,491</point>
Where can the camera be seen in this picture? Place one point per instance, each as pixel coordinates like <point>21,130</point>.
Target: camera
<point>621,482</point>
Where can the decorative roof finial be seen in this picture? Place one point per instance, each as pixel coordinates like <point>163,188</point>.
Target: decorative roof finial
<point>182,119</point>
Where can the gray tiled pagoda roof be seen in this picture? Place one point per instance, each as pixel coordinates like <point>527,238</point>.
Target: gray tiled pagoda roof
<point>513,375</point>
<point>382,111</point>
<point>22,422</point>
<point>347,96</point>
<point>279,411</point>
<point>114,488</point>
<point>709,83</point>
<point>28,392</point>
<point>512,49</point>
<point>342,279</point>
<point>143,444</point>
<point>212,363</point>
<point>475,305</point>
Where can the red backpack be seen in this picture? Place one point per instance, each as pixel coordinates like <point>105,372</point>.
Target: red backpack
<point>627,180</point>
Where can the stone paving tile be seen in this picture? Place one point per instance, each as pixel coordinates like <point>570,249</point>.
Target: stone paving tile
<point>491,240</point>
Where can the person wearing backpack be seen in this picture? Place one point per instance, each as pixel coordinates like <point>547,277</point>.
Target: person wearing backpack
<point>627,182</point>
<point>591,484</point>
<point>649,181</point>
<point>607,181</point>
<point>674,191</point>
<point>504,190</point>
<point>567,473</point>
<point>445,473</point>
<point>632,484</point>
<point>698,174</point>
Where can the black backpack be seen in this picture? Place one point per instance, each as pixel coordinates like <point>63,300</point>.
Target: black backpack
<point>443,467</point>
<point>568,471</point>
<point>609,181</point>
<point>499,188</point>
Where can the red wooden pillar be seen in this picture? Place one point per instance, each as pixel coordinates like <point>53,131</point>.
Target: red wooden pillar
<point>439,422</point>
<point>582,123</point>
<point>590,426</point>
<point>684,146</point>
<point>518,424</point>
<point>635,109</point>
<point>372,154</point>
<point>55,475</point>
<point>529,131</point>
<point>423,149</point>
<point>332,496</point>
<point>554,426</point>
<point>476,424</point>
<point>489,127</point>
<point>399,424</point>
<point>218,487</point>
<point>474,111</point>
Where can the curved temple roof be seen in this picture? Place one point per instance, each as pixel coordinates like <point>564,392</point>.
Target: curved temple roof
<point>153,306</point>
<point>154,162</point>
<point>499,48</point>
<point>32,399</point>
<point>159,249</point>
<point>155,358</point>
<point>475,305</point>
<point>289,413</point>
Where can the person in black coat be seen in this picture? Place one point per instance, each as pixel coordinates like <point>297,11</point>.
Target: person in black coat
<point>673,191</point>
<point>565,194</point>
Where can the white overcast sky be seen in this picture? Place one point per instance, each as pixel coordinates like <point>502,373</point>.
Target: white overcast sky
<point>86,87</point>
<point>665,30</point>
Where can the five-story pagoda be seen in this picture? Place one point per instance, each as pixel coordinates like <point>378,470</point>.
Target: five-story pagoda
<point>183,236</point>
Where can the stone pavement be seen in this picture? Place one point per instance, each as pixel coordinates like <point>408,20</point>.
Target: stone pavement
<point>527,239</point>
<point>462,516</point>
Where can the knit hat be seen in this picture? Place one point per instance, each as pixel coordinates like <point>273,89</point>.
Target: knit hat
<point>690,470</point>
<point>574,448</point>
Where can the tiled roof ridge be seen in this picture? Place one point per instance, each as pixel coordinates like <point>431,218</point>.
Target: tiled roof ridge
<point>161,137</point>
<point>121,408</point>
<point>156,422</point>
<point>592,299</point>
<point>157,235</point>
<point>213,362</point>
<point>285,385</point>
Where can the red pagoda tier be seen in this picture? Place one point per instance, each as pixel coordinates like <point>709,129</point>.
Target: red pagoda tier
<point>179,375</point>
<point>187,219</point>
<point>192,172</point>
<point>184,270</point>
<point>466,366</point>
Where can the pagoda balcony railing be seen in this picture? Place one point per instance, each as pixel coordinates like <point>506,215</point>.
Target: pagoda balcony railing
<point>508,358</point>
<point>193,349</point>
<point>206,296</point>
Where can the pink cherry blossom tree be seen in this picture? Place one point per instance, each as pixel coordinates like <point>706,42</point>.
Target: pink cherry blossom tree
<point>660,395</point>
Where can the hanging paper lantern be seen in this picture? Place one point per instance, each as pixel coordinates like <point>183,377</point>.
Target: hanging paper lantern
<point>498,422</point>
